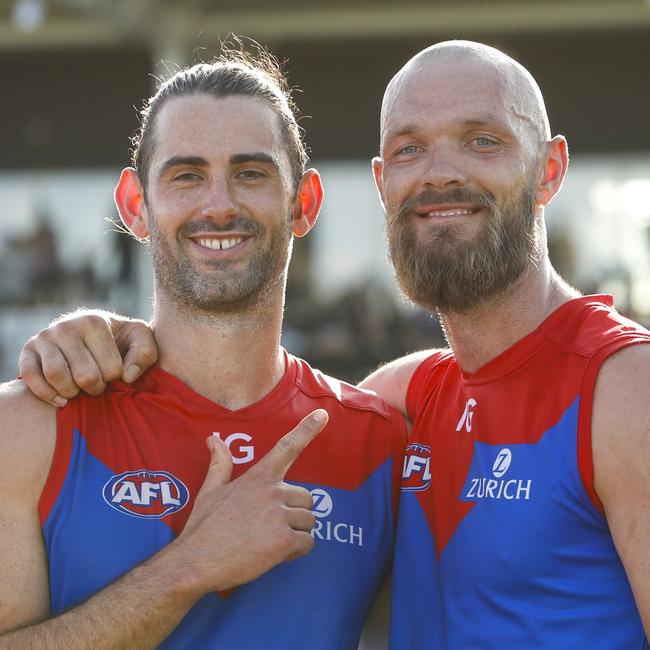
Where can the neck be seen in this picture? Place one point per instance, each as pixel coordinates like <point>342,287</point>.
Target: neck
<point>233,359</point>
<point>481,334</point>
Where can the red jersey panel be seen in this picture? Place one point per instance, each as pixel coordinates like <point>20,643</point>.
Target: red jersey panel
<point>501,541</point>
<point>128,465</point>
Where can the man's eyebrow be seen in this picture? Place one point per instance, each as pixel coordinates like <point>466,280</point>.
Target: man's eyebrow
<point>406,129</point>
<point>236,159</point>
<point>257,156</point>
<point>176,161</point>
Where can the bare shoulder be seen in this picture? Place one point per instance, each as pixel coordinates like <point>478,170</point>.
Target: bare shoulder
<point>622,395</point>
<point>391,381</point>
<point>621,453</point>
<point>27,436</point>
<point>27,439</point>
<point>620,429</point>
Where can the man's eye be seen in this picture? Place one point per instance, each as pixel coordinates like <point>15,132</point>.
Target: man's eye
<point>250,174</point>
<point>408,150</point>
<point>484,141</point>
<point>187,176</point>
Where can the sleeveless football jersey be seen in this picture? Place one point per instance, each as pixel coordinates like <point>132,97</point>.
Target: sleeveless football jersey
<point>128,465</point>
<point>502,542</point>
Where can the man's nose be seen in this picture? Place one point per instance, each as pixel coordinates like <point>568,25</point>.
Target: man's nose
<point>443,170</point>
<point>219,204</point>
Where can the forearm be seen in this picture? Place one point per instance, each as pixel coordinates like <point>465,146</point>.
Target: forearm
<point>137,611</point>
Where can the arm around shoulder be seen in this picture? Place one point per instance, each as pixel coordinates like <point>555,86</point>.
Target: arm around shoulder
<point>621,454</point>
<point>83,351</point>
<point>391,381</point>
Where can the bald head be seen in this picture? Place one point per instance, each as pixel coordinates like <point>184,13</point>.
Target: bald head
<point>466,168</point>
<point>460,64</point>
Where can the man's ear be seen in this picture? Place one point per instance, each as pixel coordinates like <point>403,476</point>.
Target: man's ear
<point>129,198</point>
<point>554,168</point>
<point>377,172</point>
<point>307,204</point>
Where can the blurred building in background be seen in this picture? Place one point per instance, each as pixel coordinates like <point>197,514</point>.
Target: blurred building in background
<point>75,72</point>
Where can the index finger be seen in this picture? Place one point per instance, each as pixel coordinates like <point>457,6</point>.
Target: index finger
<point>31,373</point>
<point>288,448</point>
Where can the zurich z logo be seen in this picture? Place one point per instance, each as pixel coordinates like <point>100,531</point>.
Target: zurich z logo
<point>502,463</point>
<point>323,503</point>
<point>150,495</point>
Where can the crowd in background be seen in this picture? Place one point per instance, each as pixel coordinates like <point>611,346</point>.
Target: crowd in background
<point>352,334</point>
<point>347,336</point>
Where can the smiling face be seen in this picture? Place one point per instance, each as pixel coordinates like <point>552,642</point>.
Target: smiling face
<point>220,203</point>
<point>461,144</point>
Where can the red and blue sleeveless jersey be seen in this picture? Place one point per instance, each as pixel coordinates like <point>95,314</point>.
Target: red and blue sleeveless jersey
<point>129,463</point>
<point>502,541</point>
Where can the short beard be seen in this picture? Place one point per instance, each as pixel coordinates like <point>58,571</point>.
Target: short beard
<point>222,291</point>
<point>442,272</point>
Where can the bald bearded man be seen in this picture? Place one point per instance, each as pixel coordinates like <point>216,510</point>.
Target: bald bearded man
<point>523,520</point>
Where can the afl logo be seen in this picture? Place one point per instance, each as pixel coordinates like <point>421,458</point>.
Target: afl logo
<point>416,472</point>
<point>502,463</point>
<point>150,495</point>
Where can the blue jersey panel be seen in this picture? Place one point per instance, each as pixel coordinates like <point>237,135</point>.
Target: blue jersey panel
<point>416,621</point>
<point>91,544</point>
<point>311,587</point>
<point>88,544</point>
<point>532,565</point>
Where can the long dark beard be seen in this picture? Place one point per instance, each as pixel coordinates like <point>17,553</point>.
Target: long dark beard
<point>442,272</point>
<point>215,289</point>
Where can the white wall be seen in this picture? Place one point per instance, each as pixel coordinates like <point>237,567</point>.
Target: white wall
<point>604,207</point>
<point>78,203</point>
<point>348,243</point>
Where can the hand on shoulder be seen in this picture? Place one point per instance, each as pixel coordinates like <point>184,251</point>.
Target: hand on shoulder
<point>83,351</point>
